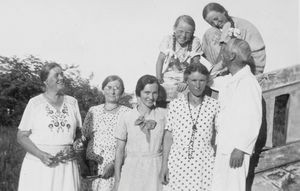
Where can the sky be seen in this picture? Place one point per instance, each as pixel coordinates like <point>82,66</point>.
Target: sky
<point>122,37</point>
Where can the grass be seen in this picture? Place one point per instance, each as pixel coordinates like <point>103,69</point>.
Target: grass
<point>11,157</point>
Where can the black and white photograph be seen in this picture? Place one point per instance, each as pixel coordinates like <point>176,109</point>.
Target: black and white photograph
<point>149,95</point>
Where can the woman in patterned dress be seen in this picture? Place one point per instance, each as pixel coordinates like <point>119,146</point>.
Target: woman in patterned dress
<point>48,127</point>
<point>188,154</point>
<point>140,131</point>
<point>98,128</point>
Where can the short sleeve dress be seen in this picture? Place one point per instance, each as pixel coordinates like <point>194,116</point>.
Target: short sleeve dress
<point>142,164</point>
<point>98,128</point>
<point>52,131</point>
<point>191,173</point>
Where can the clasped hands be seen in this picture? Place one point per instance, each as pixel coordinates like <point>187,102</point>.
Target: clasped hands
<point>68,154</point>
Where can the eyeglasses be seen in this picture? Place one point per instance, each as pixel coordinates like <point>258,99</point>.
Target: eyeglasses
<point>112,88</point>
<point>181,32</point>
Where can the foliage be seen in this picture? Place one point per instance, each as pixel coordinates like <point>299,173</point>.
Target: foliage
<point>17,86</point>
<point>20,82</point>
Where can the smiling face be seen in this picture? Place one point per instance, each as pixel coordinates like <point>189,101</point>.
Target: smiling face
<point>55,79</point>
<point>183,33</point>
<point>112,91</point>
<point>196,83</point>
<point>149,95</point>
<point>216,19</point>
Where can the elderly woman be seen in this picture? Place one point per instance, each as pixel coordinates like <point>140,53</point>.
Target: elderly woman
<point>225,27</point>
<point>141,132</point>
<point>98,128</point>
<point>47,128</point>
<point>188,154</point>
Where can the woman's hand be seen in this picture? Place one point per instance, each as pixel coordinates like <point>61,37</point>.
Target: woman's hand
<point>108,170</point>
<point>46,158</point>
<point>160,80</point>
<point>181,86</point>
<point>164,175</point>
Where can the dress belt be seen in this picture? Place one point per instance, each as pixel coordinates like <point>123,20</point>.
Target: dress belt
<point>143,155</point>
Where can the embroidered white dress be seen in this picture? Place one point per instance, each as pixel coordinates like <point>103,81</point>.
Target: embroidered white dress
<point>52,131</point>
<point>98,128</point>
<point>193,174</point>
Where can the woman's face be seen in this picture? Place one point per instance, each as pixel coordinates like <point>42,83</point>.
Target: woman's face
<point>196,83</point>
<point>112,91</point>
<point>183,33</point>
<point>149,95</point>
<point>55,80</point>
<point>216,19</point>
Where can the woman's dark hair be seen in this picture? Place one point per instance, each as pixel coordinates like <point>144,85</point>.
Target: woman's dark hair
<point>113,78</point>
<point>218,8</point>
<point>195,67</point>
<point>143,81</point>
<point>187,19</point>
<point>46,69</point>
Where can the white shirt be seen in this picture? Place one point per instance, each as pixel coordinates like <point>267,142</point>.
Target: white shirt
<point>241,113</point>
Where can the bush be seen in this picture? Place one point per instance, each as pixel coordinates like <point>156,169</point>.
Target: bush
<point>20,82</point>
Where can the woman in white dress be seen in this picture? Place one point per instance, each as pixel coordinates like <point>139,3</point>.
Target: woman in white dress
<point>188,154</point>
<point>48,127</point>
<point>98,128</point>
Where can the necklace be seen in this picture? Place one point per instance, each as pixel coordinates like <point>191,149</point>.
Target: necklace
<point>194,129</point>
<point>109,110</point>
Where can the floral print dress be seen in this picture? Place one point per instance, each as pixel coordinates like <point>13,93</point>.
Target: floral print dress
<point>98,127</point>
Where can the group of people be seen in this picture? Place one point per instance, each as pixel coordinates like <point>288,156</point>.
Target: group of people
<point>198,143</point>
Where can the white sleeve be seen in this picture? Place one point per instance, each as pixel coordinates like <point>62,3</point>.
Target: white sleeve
<point>248,115</point>
<point>27,119</point>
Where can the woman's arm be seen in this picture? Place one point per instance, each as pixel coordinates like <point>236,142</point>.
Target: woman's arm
<point>29,146</point>
<point>159,66</point>
<point>120,153</point>
<point>167,143</point>
<point>195,59</point>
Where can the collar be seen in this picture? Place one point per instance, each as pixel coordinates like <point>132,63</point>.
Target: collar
<point>245,71</point>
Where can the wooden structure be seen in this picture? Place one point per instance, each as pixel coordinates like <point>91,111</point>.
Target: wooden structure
<point>277,166</point>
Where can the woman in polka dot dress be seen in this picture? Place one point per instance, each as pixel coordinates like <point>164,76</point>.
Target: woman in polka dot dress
<point>188,154</point>
<point>98,128</point>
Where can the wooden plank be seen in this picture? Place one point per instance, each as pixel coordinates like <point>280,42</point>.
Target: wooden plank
<point>278,156</point>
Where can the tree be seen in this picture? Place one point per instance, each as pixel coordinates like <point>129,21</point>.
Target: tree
<point>20,81</point>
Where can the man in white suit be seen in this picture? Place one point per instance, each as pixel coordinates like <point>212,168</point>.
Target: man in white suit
<point>240,118</point>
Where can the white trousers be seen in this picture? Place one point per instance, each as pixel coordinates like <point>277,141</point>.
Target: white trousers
<point>227,178</point>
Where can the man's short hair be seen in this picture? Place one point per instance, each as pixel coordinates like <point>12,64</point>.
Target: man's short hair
<point>242,51</point>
